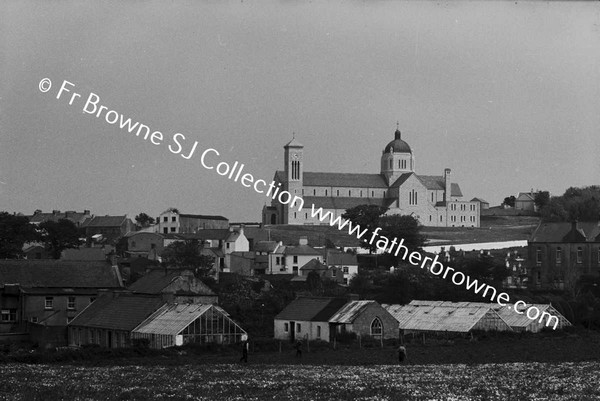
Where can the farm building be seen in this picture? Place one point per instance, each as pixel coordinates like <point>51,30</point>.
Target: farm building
<point>321,318</point>
<point>365,318</point>
<point>178,324</point>
<point>307,318</point>
<point>446,317</point>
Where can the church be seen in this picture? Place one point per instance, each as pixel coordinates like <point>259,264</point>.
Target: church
<point>432,199</point>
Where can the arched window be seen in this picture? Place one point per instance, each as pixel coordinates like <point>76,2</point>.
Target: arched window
<point>376,327</point>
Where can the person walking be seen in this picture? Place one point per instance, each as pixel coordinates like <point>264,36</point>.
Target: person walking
<point>401,354</point>
<point>245,347</point>
<point>298,348</point>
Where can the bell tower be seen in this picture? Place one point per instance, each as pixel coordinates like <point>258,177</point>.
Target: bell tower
<point>294,161</point>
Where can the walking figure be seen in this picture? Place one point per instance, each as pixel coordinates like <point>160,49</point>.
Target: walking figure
<point>244,357</point>
<point>401,353</point>
<point>298,347</point>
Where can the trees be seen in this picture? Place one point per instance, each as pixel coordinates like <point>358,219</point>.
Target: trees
<point>143,220</point>
<point>541,199</point>
<point>402,227</point>
<point>15,231</point>
<point>367,216</point>
<point>59,235</point>
<point>509,201</point>
<point>575,204</point>
<point>186,254</point>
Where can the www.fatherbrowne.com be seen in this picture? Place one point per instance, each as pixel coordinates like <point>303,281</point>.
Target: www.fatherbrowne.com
<point>397,247</point>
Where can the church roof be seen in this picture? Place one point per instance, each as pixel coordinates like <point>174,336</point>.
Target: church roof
<point>351,180</point>
<point>401,180</point>
<point>397,145</point>
<point>345,202</point>
<point>436,182</point>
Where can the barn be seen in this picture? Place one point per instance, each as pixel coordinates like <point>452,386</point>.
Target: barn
<point>179,324</point>
<point>365,318</point>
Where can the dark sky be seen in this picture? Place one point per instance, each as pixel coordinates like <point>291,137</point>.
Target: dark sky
<point>505,94</point>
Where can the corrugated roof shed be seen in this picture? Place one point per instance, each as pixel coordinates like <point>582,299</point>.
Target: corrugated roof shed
<point>123,312</point>
<point>350,311</point>
<point>51,273</point>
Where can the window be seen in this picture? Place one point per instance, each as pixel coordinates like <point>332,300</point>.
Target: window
<point>173,229</point>
<point>227,245</point>
<point>152,246</point>
<point>538,256</point>
<point>372,194</point>
<point>294,214</point>
<point>346,269</point>
<point>349,192</point>
<point>165,230</point>
<point>165,219</point>
<point>305,216</point>
<point>376,327</point>
<point>71,303</point>
<point>558,255</point>
<point>286,327</point>
<point>48,303</point>
<point>298,327</point>
<point>579,255</point>
<point>337,192</point>
<point>318,331</point>
<point>277,260</point>
<point>333,272</point>
<point>325,192</point>
<point>432,196</point>
<point>174,218</point>
<point>314,192</point>
<point>34,319</point>
<point>8,315</point>
<point>295,259</point>
<point>391,164</point>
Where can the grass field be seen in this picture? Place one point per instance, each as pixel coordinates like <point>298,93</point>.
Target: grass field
<point>514,381</point>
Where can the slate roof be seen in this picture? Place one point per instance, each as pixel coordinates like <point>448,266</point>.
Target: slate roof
<point>172,319</point>
<point>480,200</point>
<point>563,232</point>
<point>215,234</point>
<point>343,202</point>
<point>311,309</point>
<point>51,273</point>
<point>340,258</point>
<point>155,281</point>
<point>105,221</point>
<point>350,311</point>
<point>526,197</point>
<point>352,180</point>
<point>266,246</point>
<point>437,182</point>
<point>401,180</point>
<point>123,312</point>
<point>84,254</point>
<point>301,250</point>
<point>202,216</point>
<point>314,264</point>
<point>75,217</point>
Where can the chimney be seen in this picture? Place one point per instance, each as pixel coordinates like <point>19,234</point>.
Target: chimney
<point>55,212</point>
<point>86,212</point>
<point>447,185</point>
<point>241,229</point>
<point>303,241</point>
<point>574,225</point>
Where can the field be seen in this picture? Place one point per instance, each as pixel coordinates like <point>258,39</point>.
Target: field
<point>513,381</point>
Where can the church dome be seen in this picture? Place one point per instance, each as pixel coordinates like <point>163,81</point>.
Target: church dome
<point>397,145</point>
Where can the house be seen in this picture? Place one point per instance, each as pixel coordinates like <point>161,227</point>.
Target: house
<point>78,218</point>
<point>109,320</point>
<point>559,253</point>
<point>518,275</point>
<point>364,318</point>
<point>324,271</point>
<point>35,250</point>
<point>50,292</point>
<point>109,228</point>
<point>173,222</point>
<point>299,255</point>
<point>174,285</point>
<point>145,244</point>
<point>347,262</point>
<point>526,201</point>
<point>244,264</point>
<point>483,204</point>
<point>307,318</point>
<point>440,317</point>
<point>87,254</point>
<point>179,324</point>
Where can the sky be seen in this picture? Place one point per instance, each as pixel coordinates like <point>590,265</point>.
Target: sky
<point>506,94</point>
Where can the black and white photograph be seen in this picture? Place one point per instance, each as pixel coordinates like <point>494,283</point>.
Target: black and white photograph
<point>300,200</point>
